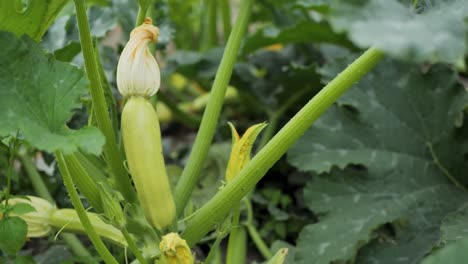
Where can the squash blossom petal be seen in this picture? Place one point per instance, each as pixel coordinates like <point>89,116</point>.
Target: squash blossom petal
<point>39,221</point>
<point>137,71</point>
<point>174,250</point>
<point>241,148</point>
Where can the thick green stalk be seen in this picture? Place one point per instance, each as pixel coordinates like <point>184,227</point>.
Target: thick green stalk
<point>41,189</point>
<point>221,204</point>
<point>238,247</point>
<point>225,6</point>
<point>75,199</point>
<point>205,135</point>
<point>111,150</point>
<point>232,255</point>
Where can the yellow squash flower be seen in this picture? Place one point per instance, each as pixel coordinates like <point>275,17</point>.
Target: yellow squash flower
<point>38,221</point>
<point>137,71</point>
<point>241,148</point>
<point>174,250</point>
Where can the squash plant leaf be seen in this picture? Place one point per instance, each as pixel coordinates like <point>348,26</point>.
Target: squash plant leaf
<point>453,253</point>
<point>455,225</point>
<point>15,229</point>
<point>38,95</point>
<point>384,153</point>
<point>431,31</point>
<point>29,17</point>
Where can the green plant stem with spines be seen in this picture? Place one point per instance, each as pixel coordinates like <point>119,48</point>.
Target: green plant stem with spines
<point>111,150</point>
<point>41,189</point>
<point>80,210</point>
<point>206,132</point>
<point>220,205</point>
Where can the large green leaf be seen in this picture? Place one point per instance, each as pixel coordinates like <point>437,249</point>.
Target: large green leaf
<point>29,17</point>
<point>433,32</point>
<point>38,94</point>
<point>15,230</point>
<point>399,125</point>
<point>455,225</point>
<point>453,253</point>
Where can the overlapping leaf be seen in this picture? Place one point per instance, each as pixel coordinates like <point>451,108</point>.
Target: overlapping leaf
<point>38,94</point>
<point>399,124</point>
<point>434,31</point>
<point>29,17</point>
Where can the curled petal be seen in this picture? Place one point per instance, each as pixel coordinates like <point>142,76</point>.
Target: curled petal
<point>137,71</point>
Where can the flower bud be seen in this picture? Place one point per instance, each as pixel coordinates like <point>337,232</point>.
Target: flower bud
<point>174,250</point>
<point>241,147</point>
<point>137,71</point>
<point>38,221</point>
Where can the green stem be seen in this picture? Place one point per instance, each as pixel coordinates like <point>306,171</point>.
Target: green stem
<point>258,241</point>
<point>11,159</point>
<point>36,180</point>
<point>220,205</point>
<point>210,31</point>
<point>41,189</point>
<point>238,247</point>
<point>225,6</point>
<point>142,9</point>
<point>77,247</point>
<point>133,247</point>
<point>232,250</point>
<point>101,113</point>
<point>205,135</point>
<point>254,234</point>
<point>80,210</point>
<point>214,248</point>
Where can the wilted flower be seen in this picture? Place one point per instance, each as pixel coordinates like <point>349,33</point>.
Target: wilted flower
<point>174,250</point>
<point>137,71</point>
<point>38,221</point>
<point>241,147</point>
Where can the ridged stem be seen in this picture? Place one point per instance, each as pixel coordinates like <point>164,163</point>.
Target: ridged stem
<point>206,132</point>
<point>111,150</point>
<point>221,204</point>
<point>75,199</point>
<point>232,256</point>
